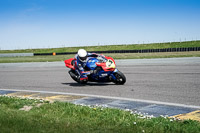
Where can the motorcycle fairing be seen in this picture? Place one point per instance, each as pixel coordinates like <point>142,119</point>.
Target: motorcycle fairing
<point>105,73</point>
<point>109,65</point>
<point>68,63</point>
<point>91,63</point>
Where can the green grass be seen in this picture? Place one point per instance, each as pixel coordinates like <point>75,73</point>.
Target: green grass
<point>35,58</point>
<point>103,48</point>
<point>70,118</point>
<point>51,58</point>
<point>110,47</point>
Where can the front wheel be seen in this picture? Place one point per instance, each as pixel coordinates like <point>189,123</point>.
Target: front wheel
<point>120,78</point>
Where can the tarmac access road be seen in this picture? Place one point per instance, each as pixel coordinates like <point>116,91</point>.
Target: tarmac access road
<point>169,80</point>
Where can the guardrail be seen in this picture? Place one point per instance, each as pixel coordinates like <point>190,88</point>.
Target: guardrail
<point>130,51</point>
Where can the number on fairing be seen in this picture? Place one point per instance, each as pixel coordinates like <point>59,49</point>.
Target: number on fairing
<point>110,63</point>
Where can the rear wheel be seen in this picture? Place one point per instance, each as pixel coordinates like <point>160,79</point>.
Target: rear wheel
<point>120,78</point>
<point>73,75</point>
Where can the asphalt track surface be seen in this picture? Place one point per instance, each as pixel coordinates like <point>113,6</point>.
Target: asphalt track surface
<point>170,80</point>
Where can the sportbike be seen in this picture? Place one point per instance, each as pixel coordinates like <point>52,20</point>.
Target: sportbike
<point>104,70</point>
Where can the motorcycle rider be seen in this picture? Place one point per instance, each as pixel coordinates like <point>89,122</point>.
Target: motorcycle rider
<point>80,64</point>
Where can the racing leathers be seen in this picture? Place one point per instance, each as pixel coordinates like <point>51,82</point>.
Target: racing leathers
<point>81,68</point>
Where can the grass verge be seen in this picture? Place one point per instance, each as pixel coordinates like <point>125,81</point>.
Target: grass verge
<point>185,44</point>
<point>51,58</point>
<point>67,117</point>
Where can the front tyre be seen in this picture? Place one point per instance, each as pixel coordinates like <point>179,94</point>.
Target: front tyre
<point>120,78</point>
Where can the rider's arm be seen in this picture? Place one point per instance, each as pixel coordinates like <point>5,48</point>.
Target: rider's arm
<point>100,57</point>
<point>92,55</point>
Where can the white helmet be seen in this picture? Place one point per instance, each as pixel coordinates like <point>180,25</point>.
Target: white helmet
<point>82,55</point>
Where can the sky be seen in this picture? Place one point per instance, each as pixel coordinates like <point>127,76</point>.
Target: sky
<point>26,24</point>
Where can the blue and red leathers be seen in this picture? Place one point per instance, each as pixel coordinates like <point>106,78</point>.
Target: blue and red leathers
<point>81,65</point>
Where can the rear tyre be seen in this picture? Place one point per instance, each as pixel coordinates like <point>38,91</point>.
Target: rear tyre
<point>74,75</point>
<point>120,78</point>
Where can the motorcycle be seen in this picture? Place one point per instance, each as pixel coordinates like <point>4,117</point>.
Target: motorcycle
<point>104,70</point>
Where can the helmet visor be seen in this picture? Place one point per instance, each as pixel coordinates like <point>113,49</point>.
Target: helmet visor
<point>83,58</point>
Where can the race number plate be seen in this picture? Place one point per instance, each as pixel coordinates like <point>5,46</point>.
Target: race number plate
<point>110,64</point>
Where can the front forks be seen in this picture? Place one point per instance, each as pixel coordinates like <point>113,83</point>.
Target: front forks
<point>112,75</point>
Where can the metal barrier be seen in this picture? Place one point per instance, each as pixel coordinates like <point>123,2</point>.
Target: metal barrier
<point>131,51</point>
